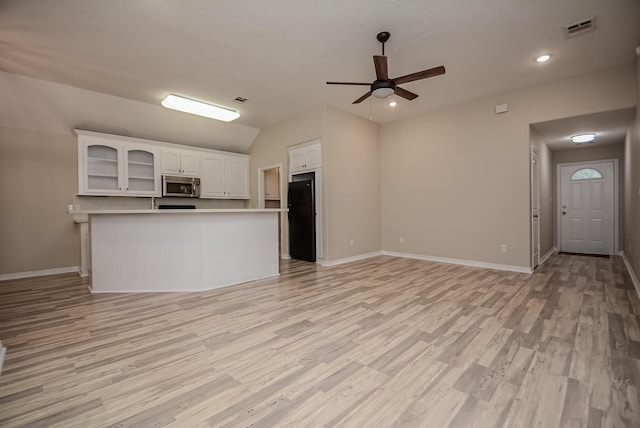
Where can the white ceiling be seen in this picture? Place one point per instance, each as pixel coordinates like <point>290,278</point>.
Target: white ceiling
<point>280,53</point>
<point>610,127</point>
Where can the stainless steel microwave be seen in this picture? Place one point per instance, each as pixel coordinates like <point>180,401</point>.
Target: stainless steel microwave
<point>183,187</point>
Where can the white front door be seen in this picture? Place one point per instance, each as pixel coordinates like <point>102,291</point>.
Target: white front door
<point>535,209</point>
<point>586,208</point>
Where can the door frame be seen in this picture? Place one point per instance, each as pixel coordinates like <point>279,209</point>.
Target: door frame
<point>320,256</point>
<point>558,210</point>
<point>534,263</point>
<point>261,196</point>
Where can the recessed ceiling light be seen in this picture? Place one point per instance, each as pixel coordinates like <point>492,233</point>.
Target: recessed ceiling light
<point>583,138</point>
<point>393,103</point>
<point>201,109</point>
<point>543,58</point>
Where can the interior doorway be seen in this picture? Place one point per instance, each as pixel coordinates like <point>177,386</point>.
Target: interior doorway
<point>535,209</point>
<point>587,207</point>
<point>270,193</point>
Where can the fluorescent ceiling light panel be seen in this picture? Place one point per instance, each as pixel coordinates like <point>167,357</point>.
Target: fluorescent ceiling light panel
<point>583,138</point>
<point>201,109</point>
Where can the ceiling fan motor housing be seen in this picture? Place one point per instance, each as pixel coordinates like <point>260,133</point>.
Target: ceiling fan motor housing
<point>383,88</point>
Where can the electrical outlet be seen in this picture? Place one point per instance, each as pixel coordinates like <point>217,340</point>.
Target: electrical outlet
<point>402,240</point>
<point>503,248</point>
<point>69,208</point>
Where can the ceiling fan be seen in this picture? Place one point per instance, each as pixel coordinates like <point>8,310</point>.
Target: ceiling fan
<point>384,87</point>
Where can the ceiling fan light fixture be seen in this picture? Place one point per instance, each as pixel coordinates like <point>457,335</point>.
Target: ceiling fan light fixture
<point>383,92</point>
<point>199,108</point>
<point>583,138</point>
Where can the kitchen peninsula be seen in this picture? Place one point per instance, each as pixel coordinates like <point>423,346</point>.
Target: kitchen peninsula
<point>180,250</point>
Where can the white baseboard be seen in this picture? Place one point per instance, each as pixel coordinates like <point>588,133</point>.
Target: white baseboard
<point>3,351</point>
<point>632,274</point>
<point>544,258</point>
<point>285,256</point>
<point>336,262</point>
<point>34,273</point>
<point>510,268</point>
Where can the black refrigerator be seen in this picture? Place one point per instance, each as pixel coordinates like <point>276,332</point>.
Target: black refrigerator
<point>302,219</point>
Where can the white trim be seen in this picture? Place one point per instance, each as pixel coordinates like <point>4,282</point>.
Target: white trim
<point>510,268</point>
<point>261,195</point>
<point>534,151</point>
<point>328,263</point>
<point>3,351</point>
<point>615,199</point>
<point>44,272</point>
<point>319,200</point>
<point>544,258</point>
<point>632,274</point>
<point>285,256</point>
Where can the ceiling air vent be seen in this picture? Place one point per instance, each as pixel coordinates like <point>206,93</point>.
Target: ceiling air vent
<point>240,99</point>
<point>580,27</point>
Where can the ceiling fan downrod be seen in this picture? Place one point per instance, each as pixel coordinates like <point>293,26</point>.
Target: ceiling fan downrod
<point>382,38</point>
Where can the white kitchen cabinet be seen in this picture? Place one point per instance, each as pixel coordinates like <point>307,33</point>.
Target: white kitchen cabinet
<point>305,157</point>
<point>224,176</point>
<point>116,168</point>
<point>272,184</point>
<point>237,173</point>
<point>212,180</point>
<point>180,162</point>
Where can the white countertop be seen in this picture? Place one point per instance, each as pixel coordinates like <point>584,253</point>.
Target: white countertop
<point>80,216</point>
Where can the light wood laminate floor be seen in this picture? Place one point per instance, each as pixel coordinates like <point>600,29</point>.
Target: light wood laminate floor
<point>385,342</point>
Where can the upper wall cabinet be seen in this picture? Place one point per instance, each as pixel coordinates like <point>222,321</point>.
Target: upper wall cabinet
<point>111,167</point>
<point>224,176</point>
<point>180,162</point>
<point>305,157</point>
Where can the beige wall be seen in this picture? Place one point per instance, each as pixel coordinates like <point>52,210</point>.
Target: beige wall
<point>54,108</point>
<point>38,179</point>
<point>352,159</point>
<point>38,155</point>
<point>632,188</point>
<point>546,193</point>
<point>350,176</point>
<point>585,154</point>
<point>455,182</point>
<point>271,148</point>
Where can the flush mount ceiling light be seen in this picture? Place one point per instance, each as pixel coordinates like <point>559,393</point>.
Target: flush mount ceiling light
<point>201,109</point>
<point>583,138</point>
<point>543,58</point>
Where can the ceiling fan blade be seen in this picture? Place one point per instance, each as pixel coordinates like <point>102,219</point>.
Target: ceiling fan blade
<point>362,98</point>
<point>380,63</point>
<point>348,83</point>
<point>405,94</point>
<point>436,71</point>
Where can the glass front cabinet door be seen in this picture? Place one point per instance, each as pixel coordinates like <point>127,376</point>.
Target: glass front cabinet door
<point>112,168</point>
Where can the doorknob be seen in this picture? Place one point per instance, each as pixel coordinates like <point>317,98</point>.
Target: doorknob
<point>564,212</point>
